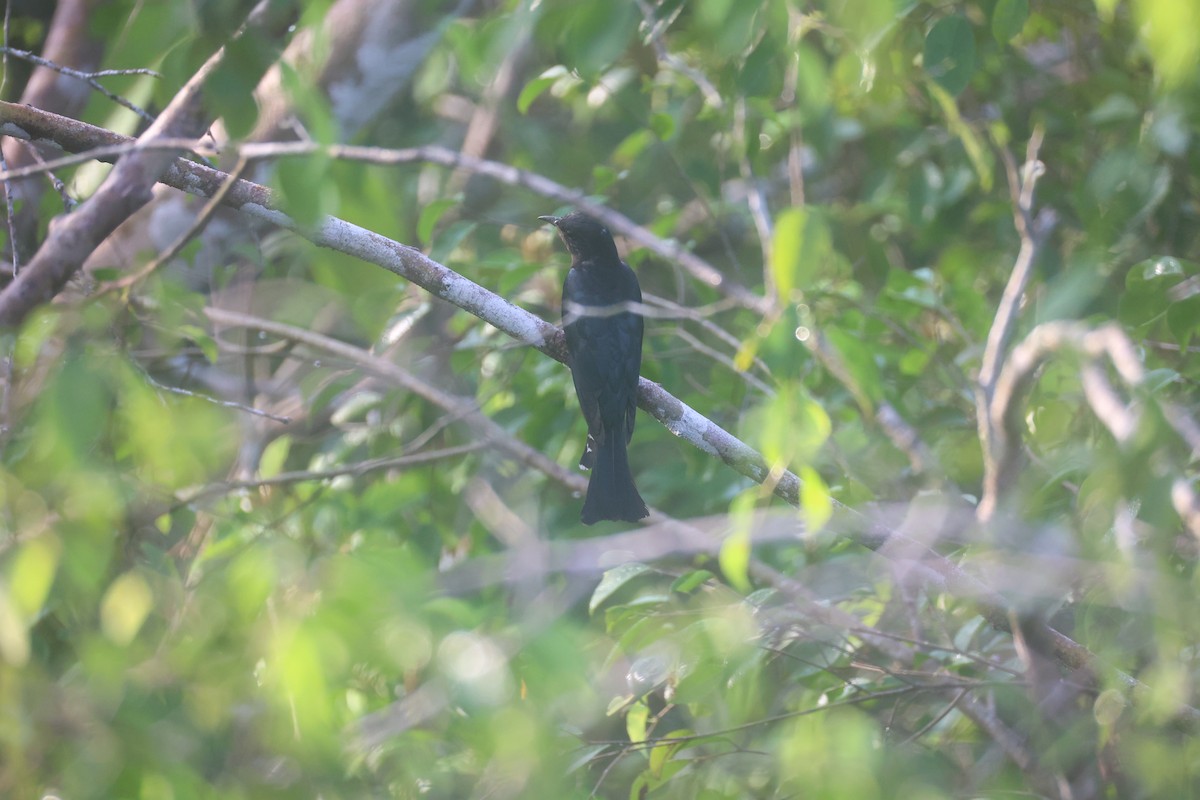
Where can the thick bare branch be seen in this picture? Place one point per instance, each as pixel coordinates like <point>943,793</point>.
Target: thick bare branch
<point>126,189</point>
<point>68,42</point>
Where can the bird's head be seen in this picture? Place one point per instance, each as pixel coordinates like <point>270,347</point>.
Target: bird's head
<point>584,237</point>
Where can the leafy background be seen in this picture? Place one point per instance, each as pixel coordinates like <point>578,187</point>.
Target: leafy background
<point>192,605</point>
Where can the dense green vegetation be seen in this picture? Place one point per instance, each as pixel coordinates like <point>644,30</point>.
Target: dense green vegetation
<point>941,261</point>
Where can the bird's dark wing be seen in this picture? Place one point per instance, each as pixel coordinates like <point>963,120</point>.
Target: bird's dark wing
<point>605,350</point>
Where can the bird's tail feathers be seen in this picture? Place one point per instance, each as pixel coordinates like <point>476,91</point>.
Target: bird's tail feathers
<point>611,492</point>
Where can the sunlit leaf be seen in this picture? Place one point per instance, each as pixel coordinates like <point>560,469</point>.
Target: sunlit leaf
<point>800,250</point>
<point>635,721</point>
<point>613,580</point>
<point>125,607</point>
<point>534,89</point>
<point>691,580</point>
<point>814,499</point>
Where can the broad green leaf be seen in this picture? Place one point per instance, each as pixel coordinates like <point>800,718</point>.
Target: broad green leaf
<point>1147,289</point>
<point>125,607</point>
<point>635,721</point>
<point>950,53</point>
<point>31,575</point>
<point>1183,320</point>
<point>663,126</point>
<point>859,358</point>
<point>613,580</point>
<point>534,89</point>
<point>274,456</point>
<point>449,239</point>
<point>734,555</point>
<point>1008,18</point>
<point>202,339</point>
<point>597,33</point>
<point>1168,27</point>
<point>800,248</point>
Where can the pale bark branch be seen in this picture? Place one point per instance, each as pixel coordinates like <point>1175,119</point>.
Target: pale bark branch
<point>259,203</point>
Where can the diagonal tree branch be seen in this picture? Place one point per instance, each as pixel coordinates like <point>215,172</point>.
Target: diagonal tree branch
<point>75,136</point>
<point>259,203</point>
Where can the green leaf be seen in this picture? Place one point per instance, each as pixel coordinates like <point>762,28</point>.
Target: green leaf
<point>814,499</point>
<point>534,89</point>
<point>274,456</point>
<point>1168,30</point>
<point>1183,319</point>
<point>514,276</point>
<point>734,556</point>
<point>304,186</point>
<point>761,75</point>
<point>200,337</point>
<point>1147,289</point>
<point>430,215</point>
<point>632,146</point>
<point>663,126</point>
<point>1164,270</point>
<point>691,580</point>
<point>950,53</point>
<point>598,32</point>
<point>800,247</point>
<point>660,754</point>
<point>613,580</point>
<point>635,721</point>
<point>449,240</point>
<point>859,358</point>
<point>1008,18</point>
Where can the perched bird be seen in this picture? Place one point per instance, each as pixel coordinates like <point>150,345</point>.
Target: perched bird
<point>604,341</point>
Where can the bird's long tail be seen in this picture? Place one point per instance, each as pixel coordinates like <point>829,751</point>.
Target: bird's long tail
<point>611,491</point>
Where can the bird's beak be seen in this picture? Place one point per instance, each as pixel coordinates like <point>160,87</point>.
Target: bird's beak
<point>552,220</point>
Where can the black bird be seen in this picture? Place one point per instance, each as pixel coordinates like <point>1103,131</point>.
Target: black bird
<point>605,345</point>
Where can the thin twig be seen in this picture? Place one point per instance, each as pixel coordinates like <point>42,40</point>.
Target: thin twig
<point>358,469</point>
<point>654,30</point>
<point>464,408</point>
<point>127,188</point>
<point>1033,234</point>
<point>206,213</point>
<point>902,434</point>
<point>700,269</point>
<point>1107,342</point>
<point>258,412</point>
<point>88,77</point>
<point>9,209</point>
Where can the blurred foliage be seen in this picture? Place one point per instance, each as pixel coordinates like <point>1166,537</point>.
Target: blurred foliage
<point>175,625</point>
